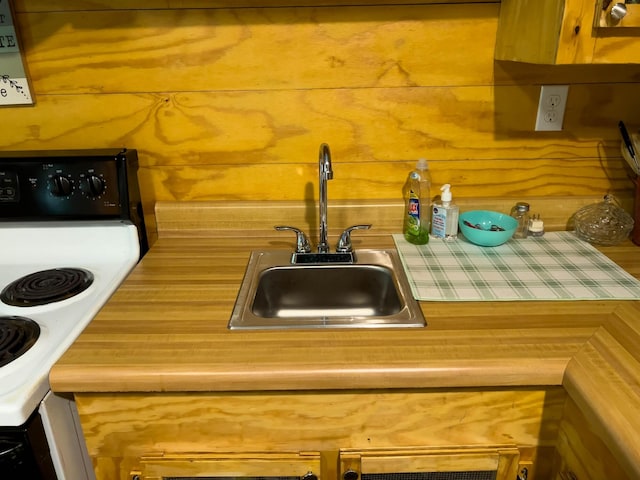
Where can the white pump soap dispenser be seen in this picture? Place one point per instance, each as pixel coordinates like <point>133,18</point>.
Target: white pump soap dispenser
<point>444,218</point>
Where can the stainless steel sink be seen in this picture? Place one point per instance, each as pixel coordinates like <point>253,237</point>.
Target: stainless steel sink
<point>373,292</point>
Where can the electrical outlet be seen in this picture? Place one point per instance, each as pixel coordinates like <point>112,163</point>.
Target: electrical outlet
<point>553,100</point>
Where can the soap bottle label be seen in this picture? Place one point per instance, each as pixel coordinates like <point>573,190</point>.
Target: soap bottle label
<point>438,222</point>
<point>414,214</point>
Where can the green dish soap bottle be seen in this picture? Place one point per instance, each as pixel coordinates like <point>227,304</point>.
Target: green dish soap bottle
<point>417,196</point>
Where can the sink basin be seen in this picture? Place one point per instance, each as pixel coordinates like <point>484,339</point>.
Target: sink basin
<point>372,292</point>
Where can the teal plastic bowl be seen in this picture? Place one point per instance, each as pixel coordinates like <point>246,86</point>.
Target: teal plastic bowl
<point>484,220</point>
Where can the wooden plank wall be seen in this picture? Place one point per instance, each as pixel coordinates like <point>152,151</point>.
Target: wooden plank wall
<point>231,100</point>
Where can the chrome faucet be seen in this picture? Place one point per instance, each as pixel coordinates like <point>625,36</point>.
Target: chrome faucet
<point>344,251</point>
<point>325,174</point>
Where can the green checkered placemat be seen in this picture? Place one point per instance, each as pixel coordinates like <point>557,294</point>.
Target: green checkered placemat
<point>556,266</point>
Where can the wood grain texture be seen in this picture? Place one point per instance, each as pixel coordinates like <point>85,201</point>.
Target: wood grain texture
<point>160,467</point>
<point>174,380</point>
<point>266,422</point>
<point>625,26</point>
<point>178,300</point>
<point>562,28</point>
<point>257,219</point>
<point>121,429</point>
<point>62,5</point>
<point>576,41</point>
<point>252,48</point>
<point>529,34</point>
<point>615,49</point>
<point>604,381</point>
<point>275,155</point>
<point>419,461</point>
<point>565,32</point>
<point>231,103</point>
<point>503,459</point>
<point>580,450</point>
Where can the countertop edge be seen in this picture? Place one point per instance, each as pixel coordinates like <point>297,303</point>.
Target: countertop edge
<point>603,379</point>
<point>98,379</point>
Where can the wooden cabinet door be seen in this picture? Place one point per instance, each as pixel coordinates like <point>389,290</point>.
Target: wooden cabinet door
<point>491,463</point>
<point>294,466</point>
<point>609,17</point>
<point>616,40</point>
<point>567,32</point>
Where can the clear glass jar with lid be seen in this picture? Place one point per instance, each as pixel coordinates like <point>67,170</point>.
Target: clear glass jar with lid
<point>604,223</point>
<point>520,212</point>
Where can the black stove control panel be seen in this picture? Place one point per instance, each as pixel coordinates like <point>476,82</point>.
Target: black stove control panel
<point>9,187</point>
<point>68,184</point>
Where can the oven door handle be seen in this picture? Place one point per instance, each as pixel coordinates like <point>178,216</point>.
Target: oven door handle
<point>9,447</point>
<point>10,451</point>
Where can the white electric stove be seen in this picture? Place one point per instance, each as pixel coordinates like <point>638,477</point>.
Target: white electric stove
<point>71,230</point>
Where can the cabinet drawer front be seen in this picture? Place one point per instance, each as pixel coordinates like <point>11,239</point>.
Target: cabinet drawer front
<point>476,463</point>
<point>236,466</point>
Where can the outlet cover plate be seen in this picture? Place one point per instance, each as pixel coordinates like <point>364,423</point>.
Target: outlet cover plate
<point>553,101</point>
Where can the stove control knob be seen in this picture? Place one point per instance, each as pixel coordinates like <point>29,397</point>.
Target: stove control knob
<point>60,186</point>
<point>93,185</point>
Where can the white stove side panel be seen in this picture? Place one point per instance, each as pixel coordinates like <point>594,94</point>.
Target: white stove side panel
<point>66,441</point>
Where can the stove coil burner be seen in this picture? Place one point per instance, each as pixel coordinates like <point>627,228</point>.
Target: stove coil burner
<point>17,335</point>
<point>46,286</point>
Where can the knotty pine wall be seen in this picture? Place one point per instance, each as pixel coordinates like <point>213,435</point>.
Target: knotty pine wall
<point>230,100</point>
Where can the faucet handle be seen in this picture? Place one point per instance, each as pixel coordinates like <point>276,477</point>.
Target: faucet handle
<point>344,244</point>
<point>302,242</point>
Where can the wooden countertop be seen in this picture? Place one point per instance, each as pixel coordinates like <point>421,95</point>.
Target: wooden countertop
<point>165,329</point>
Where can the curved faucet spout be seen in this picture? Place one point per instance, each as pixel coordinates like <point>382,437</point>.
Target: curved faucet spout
<point>325,174</point>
